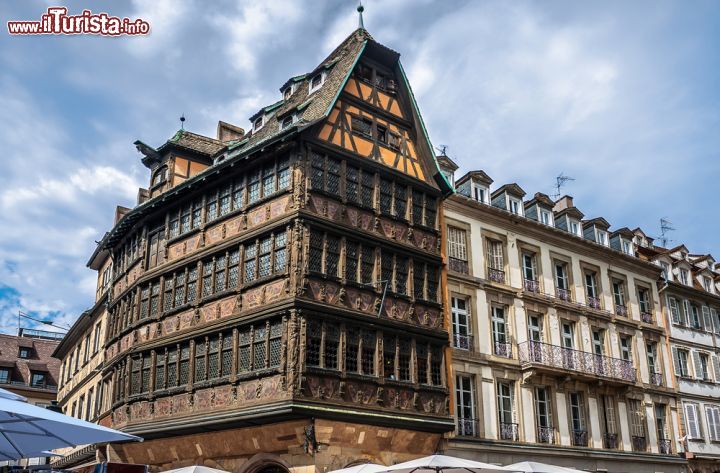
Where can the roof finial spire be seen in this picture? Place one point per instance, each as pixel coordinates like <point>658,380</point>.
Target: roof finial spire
<point>360,10</point>
<point>182,121</point>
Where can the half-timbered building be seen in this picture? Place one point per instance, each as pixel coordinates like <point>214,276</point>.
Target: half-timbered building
<point>276,300</point>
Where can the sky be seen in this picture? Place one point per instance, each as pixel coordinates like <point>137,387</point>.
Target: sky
<point>622,96</point>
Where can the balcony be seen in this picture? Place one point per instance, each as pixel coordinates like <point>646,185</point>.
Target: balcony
<point>639,444</point>
<point>610,441</point>
<point>563,294</point>
<point>665,446</point>
<point>553,356</point>
<point>463,342</point>
<point>496,275</point>
<point>646,317</point>
<point>509,432</point>
<point>503,349</point>
<point>458,265</point>
<point>621,310</point>
<point>531,285</point>
<point>546,435</point>
<point>467,427</point>
<point>579,438</point>
<point>656,379</point>
<point>594,303</point>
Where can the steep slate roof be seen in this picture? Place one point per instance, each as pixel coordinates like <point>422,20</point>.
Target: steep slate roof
<point>40,360</point>
<point>512,189</point>
<point>193,142</point>
<point>479,175</point>
<point>310,107</point>
<point>540,198</point>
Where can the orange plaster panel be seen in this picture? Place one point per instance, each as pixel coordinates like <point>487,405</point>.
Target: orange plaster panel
<point>364,146</point>
<point>181,166</point>
<point>365,90</point>
<point>351,88</point>
<point>337,139</point>
<point>196,167</point>
<point>334,114</point>
<point>388,157</point>
<point>325,132</point>
<point>395,109</point>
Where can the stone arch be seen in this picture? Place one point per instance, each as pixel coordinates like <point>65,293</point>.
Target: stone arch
<point>265,463</point>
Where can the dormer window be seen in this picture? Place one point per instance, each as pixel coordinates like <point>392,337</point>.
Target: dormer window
<point>627,247</point>
<point>515,206</point>
<point>665,270</point>
<point>289,90</point>
<point>707,283</point>
<point>258,123</point>
<point>683,274</point>
<point>287,121</point>
<point>480,192</point>
<point>316,82</point>
<point>601,237</point>
<point>546,217</point>
<point>24,352</point>
<point>575,227</point>
<point>160,176</point>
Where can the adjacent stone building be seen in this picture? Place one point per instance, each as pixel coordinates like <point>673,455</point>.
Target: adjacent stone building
<point>560,350</point>
<point>28,369</point>
<point>690,294</point>
<point>275,300</point>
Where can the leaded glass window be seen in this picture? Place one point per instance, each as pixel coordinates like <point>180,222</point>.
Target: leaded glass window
<point>226,354</point>
<point>264,257</point>
<point>352,350</point>
<point>214,358</point>
<point>207,285</point>
<point>144,302</point>
<point>250,253</point>
<point>155,299</point>
<point>184,374</point>
<point>404,360</point>
<point>192,284</point>
<point>400,201</point>
<point>200,354</point>
<point>254,187</point>
<point>283,173</point>
<point>259,347</point>
<point>352,184</point>
<point>316,251</point>
<point>386,190</point>
<point>313,343</point>
<point>275,344</point>
<point>161,358</point>
<point>280,252</point>
<point>172,358</point>
<point>368,189</point>
<point>225,207</point>
<point>244,351</point>
<point>332,342</point>
<point>332,258</point>
<point>352,256</point>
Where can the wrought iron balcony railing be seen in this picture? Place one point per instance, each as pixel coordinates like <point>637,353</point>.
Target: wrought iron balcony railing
<point>496,275</point>
<point>463,342</point>
<point>509,432</point>
<point>503,349</point>
<point>639,444</point>
<point>594,302</point>
<point>646,317</point>
<point>621,310</point>
<point>458,265</point>
<point>665,446</point>
<point>579,438</point>
<point>563,294</point>
<point>575,360</point>
<point>546,435</point>
<point>531,285</point>
<point>610,441</point>
<point>467,427</point>
<point>656,379</point>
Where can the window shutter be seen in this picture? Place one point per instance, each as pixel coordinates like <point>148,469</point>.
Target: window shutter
<point>716,368</point>
<point>698,364</point>
<point>674,310</point>
<point>711,415</point>
<point>676,361</point>
<point>715,319</point>
<point>693,431</point>
<point>685,316</point>
<point>707,320</point>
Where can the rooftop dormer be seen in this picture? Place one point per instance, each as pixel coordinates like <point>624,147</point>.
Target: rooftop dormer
<point>476,185</point>
<point>447,167</point>
<point>682,272</point>
<point>540,208</point>
<point>509,197</point>
<point>596,230</point>
<point>177,160</point>
<point>640,238</point>
<point>567,216</point>
<point>622,240</point>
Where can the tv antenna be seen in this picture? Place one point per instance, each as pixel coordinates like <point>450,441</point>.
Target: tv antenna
<point>665,228</point>
<point>560,181</point>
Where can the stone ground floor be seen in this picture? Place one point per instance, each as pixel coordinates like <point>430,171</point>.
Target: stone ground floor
<point>610,461</point>
<point>283,447</point>
<point>704,464</point>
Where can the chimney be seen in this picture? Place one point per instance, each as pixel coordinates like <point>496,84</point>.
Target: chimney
<point>227,132</point>
<point>120,212</point>
<point>563,203</point>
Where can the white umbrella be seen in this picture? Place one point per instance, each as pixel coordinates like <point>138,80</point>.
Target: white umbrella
<point>196,469</point>
<point>362,468</point>
<point>537,467</point>
<point>5,394</point>
<point>26,430</point>
<point>443,464</point>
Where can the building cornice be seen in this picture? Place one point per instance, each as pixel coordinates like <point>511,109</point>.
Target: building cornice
<point>551,235</point>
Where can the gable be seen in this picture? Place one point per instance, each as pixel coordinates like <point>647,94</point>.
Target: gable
<point>373,118</point>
